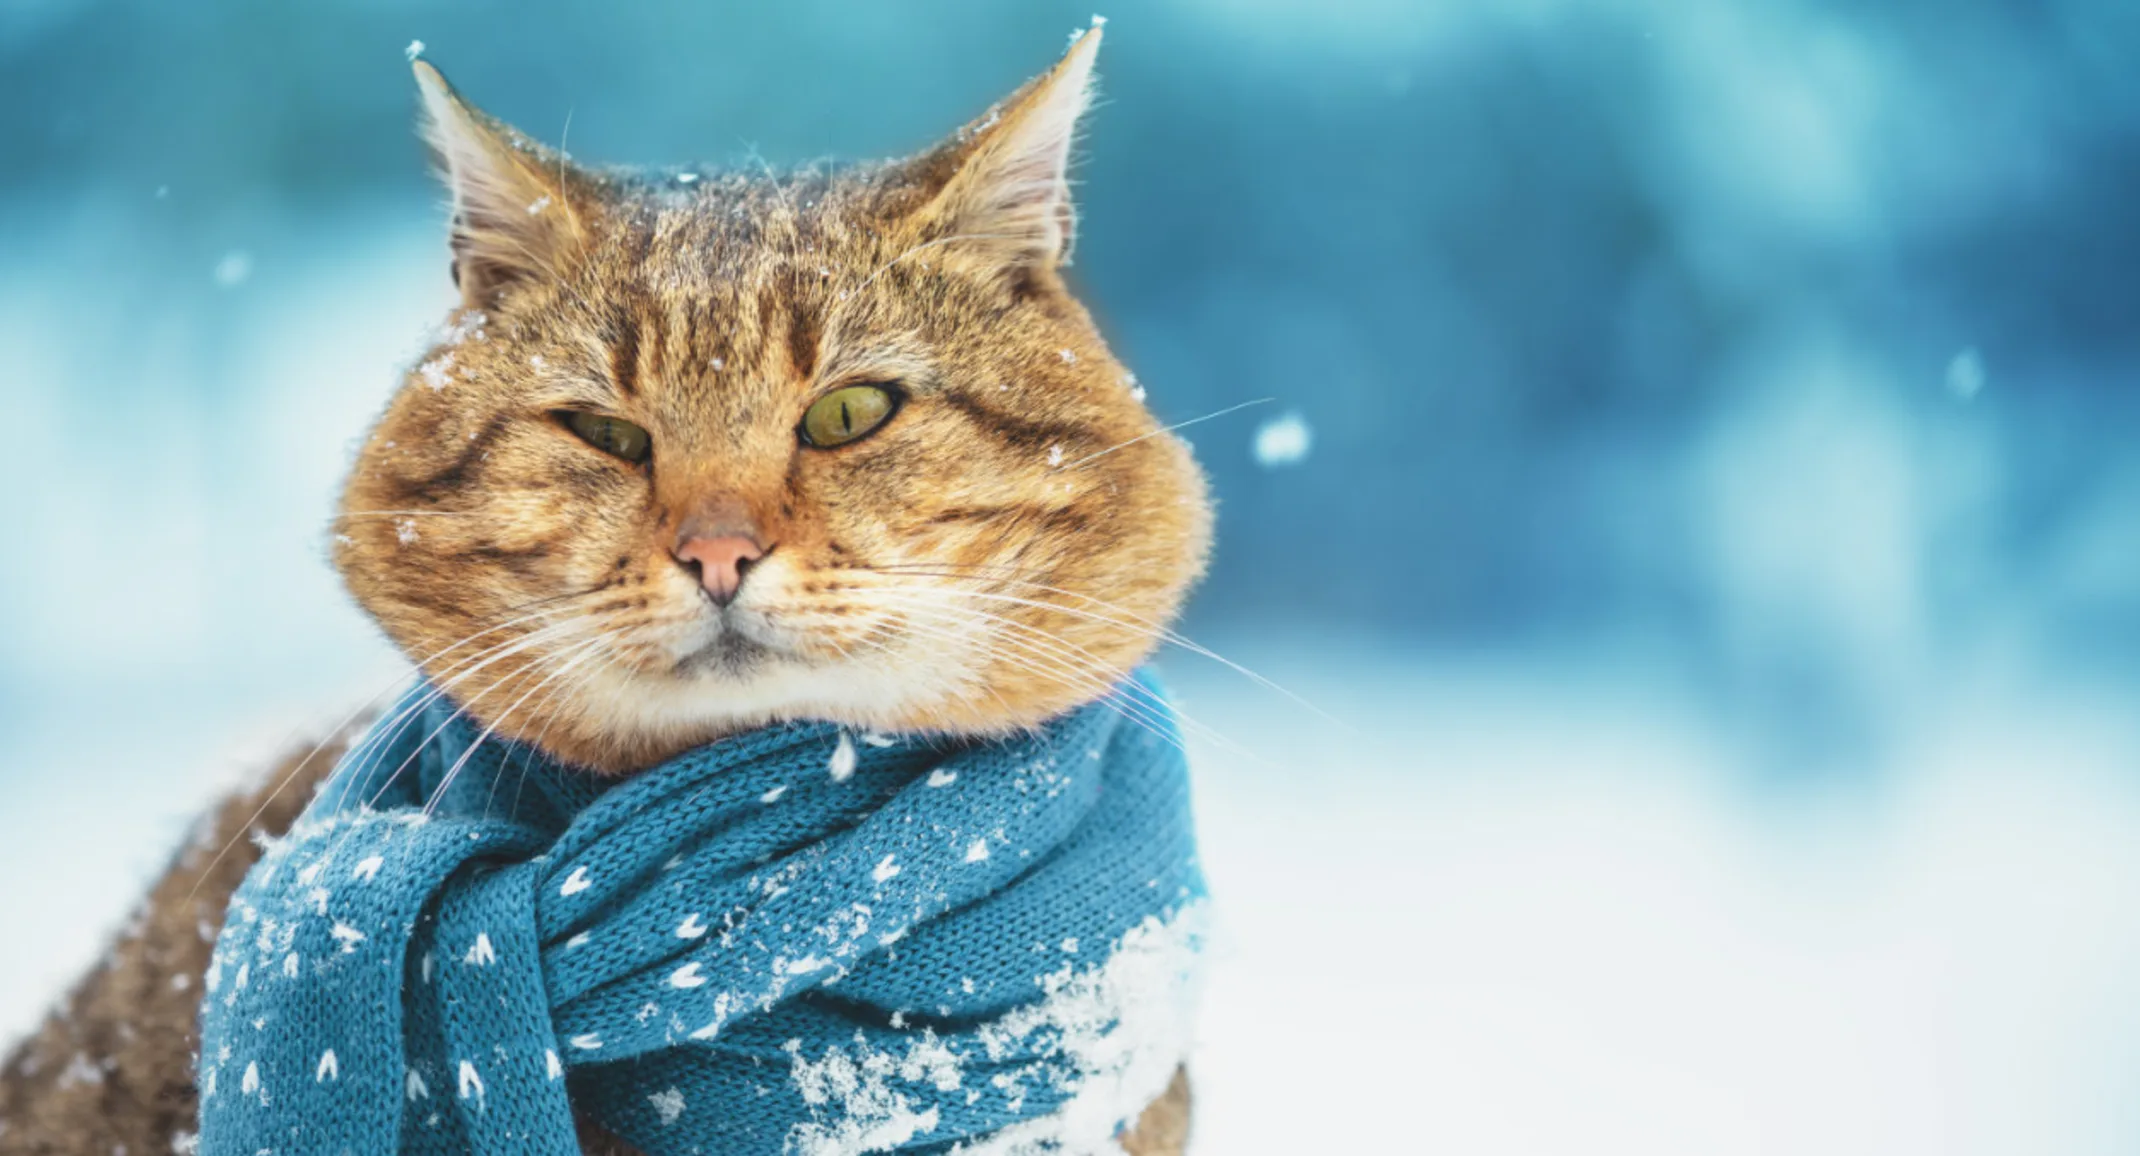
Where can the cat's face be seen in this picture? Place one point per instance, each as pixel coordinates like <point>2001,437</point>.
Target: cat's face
<point>700,454</point>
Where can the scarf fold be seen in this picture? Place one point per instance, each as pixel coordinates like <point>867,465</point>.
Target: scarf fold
<point>797,939</point>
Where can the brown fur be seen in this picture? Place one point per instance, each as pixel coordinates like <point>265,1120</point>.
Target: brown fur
<point>1007,546</point>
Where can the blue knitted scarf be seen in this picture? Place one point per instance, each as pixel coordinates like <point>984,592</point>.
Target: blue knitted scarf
<point>797,939</point>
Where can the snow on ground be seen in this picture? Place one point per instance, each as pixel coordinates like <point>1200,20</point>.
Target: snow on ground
<point>1520,906</point>
<point>1525,910</point>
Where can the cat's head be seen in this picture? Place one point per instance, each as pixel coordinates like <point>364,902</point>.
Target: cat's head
<point>702,451</point>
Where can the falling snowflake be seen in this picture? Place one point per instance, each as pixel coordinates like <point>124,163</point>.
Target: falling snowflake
<point>1283,441</point>
<point>1965,374</point>
<point>235,269</point>
<point>414,50</point>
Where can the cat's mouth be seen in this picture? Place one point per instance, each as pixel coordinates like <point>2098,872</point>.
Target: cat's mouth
<point>730,654</point>
<point>737,642</point>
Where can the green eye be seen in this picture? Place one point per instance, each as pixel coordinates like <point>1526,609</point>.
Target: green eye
<point>611,435</point>
<point>846,414</point>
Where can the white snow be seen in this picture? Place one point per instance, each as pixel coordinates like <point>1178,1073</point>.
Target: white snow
<point>436,372</point>
<point>235,269</point>
<point>1965,374</point>
<point>668,1105</point>
<point>873,1115</point>
<point>978,852</point>
<point>1123,1025</point>
<point>349,937</point>
<point>1283,441</point>
<point>413,51</point>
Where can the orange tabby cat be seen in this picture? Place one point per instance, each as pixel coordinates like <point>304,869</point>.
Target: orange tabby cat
<point>697,454</point>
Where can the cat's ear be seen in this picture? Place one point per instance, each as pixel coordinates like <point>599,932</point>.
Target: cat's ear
<point>1008,190</point>
<point>514,215</point>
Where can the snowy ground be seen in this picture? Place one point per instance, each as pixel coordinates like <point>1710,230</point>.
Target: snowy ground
<point>1515,907</point>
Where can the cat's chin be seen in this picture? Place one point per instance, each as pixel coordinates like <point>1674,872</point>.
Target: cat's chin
<point>620,721</point>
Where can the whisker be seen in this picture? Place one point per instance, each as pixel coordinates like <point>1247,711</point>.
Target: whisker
<point>1158,629</point>
<point>409,514</point>
<point>1163,429</point>
<point>293,773</point>
<point>1039,643</point>
<point>508,650</point>
<point>577,653</point>
<point>1038,663</point>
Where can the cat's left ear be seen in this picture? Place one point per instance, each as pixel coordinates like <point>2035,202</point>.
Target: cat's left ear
<point>514,211</point>
<point>1008,191</point>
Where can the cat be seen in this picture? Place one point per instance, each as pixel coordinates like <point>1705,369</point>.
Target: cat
<point>695,453</point>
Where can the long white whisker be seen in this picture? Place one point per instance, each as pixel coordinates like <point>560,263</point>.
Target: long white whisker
<point>1163,429</point>
<point>576,653</point>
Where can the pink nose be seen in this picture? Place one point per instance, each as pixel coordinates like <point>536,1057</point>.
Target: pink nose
<point>721,562</point>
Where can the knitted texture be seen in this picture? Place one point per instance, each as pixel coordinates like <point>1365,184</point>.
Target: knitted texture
<point>798,939</point>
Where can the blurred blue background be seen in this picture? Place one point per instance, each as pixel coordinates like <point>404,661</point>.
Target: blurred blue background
<point>1699,480</point>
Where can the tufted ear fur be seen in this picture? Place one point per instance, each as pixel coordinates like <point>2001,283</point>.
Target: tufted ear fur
<point>1008,192</point>
<point>514,214</point>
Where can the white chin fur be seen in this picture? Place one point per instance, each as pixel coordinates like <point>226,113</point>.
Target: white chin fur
<point>790,677</point>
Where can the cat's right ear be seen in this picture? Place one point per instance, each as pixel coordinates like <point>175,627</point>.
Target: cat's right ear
<point>515,213</point>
